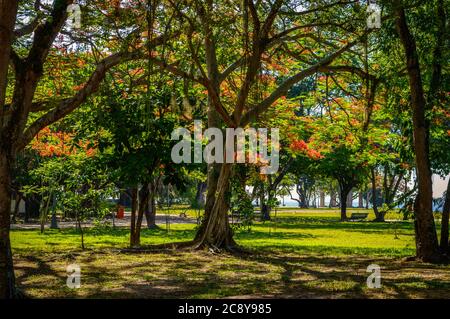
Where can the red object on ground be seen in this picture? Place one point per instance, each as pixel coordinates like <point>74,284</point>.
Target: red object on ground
<point>120,212</point>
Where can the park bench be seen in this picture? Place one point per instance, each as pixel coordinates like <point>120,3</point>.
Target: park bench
<point>358,216</point>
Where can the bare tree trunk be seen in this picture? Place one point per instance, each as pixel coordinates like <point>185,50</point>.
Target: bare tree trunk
<point>134,208</point>
<point>301,192</point>
<point>266,207</point>
<point>344,190</point>
<point>8,12</point>
<point>140,202</point>
<point>379,216</point>
<point>143,201</point>
<point>426,238</point>
<point>200,195</point>
<point>213,178</point>
<point>343,202</point>
<point>150,212</point>
<point>445,216</point>
<point>265,212</point>
<point>215,232</point>
<point>7,279</point>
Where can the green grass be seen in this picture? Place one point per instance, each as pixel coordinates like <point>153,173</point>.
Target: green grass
<point>302,254</point>
<point>94,238</point>
<point>322,234</point>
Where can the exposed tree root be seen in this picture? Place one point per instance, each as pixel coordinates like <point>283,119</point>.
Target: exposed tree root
<point>232,248</point>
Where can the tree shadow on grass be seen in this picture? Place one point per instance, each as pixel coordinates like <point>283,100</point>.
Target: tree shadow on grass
<point>38,274</point>
<point>275,269</point>
<point>323,250</point>
<point>180,274</point>
<point>346,277</point>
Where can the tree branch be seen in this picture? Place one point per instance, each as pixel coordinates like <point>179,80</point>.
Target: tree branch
<point>287,84</point>
<point>45,34</point>
<point>68,105</point>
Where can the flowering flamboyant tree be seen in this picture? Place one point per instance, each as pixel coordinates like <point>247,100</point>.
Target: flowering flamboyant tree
<point>30,34</point>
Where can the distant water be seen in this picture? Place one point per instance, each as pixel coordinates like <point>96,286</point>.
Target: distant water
<point>294,204</point>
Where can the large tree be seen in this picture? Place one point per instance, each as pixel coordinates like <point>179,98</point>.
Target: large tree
<point>421,101</point>
<point>24,51</point>
<point>231,46</point>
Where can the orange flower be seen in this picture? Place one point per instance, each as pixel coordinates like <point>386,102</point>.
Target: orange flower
<point>299,145</point>
<point>78,87</point>
<point>313,154</point>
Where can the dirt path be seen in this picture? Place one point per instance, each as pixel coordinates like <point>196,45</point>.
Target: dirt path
<point>161,219</point>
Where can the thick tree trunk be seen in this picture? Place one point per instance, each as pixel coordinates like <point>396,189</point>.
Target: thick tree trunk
<point>266,206</point>
<point>140,202</point>
<point>8,11</point>
<point>150,212</point>
<point>445,216</point>
<point>7,279</point>
<point>143,200</point>
<point>379,216</point>
<point>200,195</point>
<point>301,192</point>
<point>343,202</point>
<point>134,208</point>
<point>426,238</point>
<point>215,232</point>
<point>344,190</point>
<point>265,211</point>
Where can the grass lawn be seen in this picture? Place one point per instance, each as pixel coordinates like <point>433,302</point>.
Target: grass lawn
<point>302,254</point>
